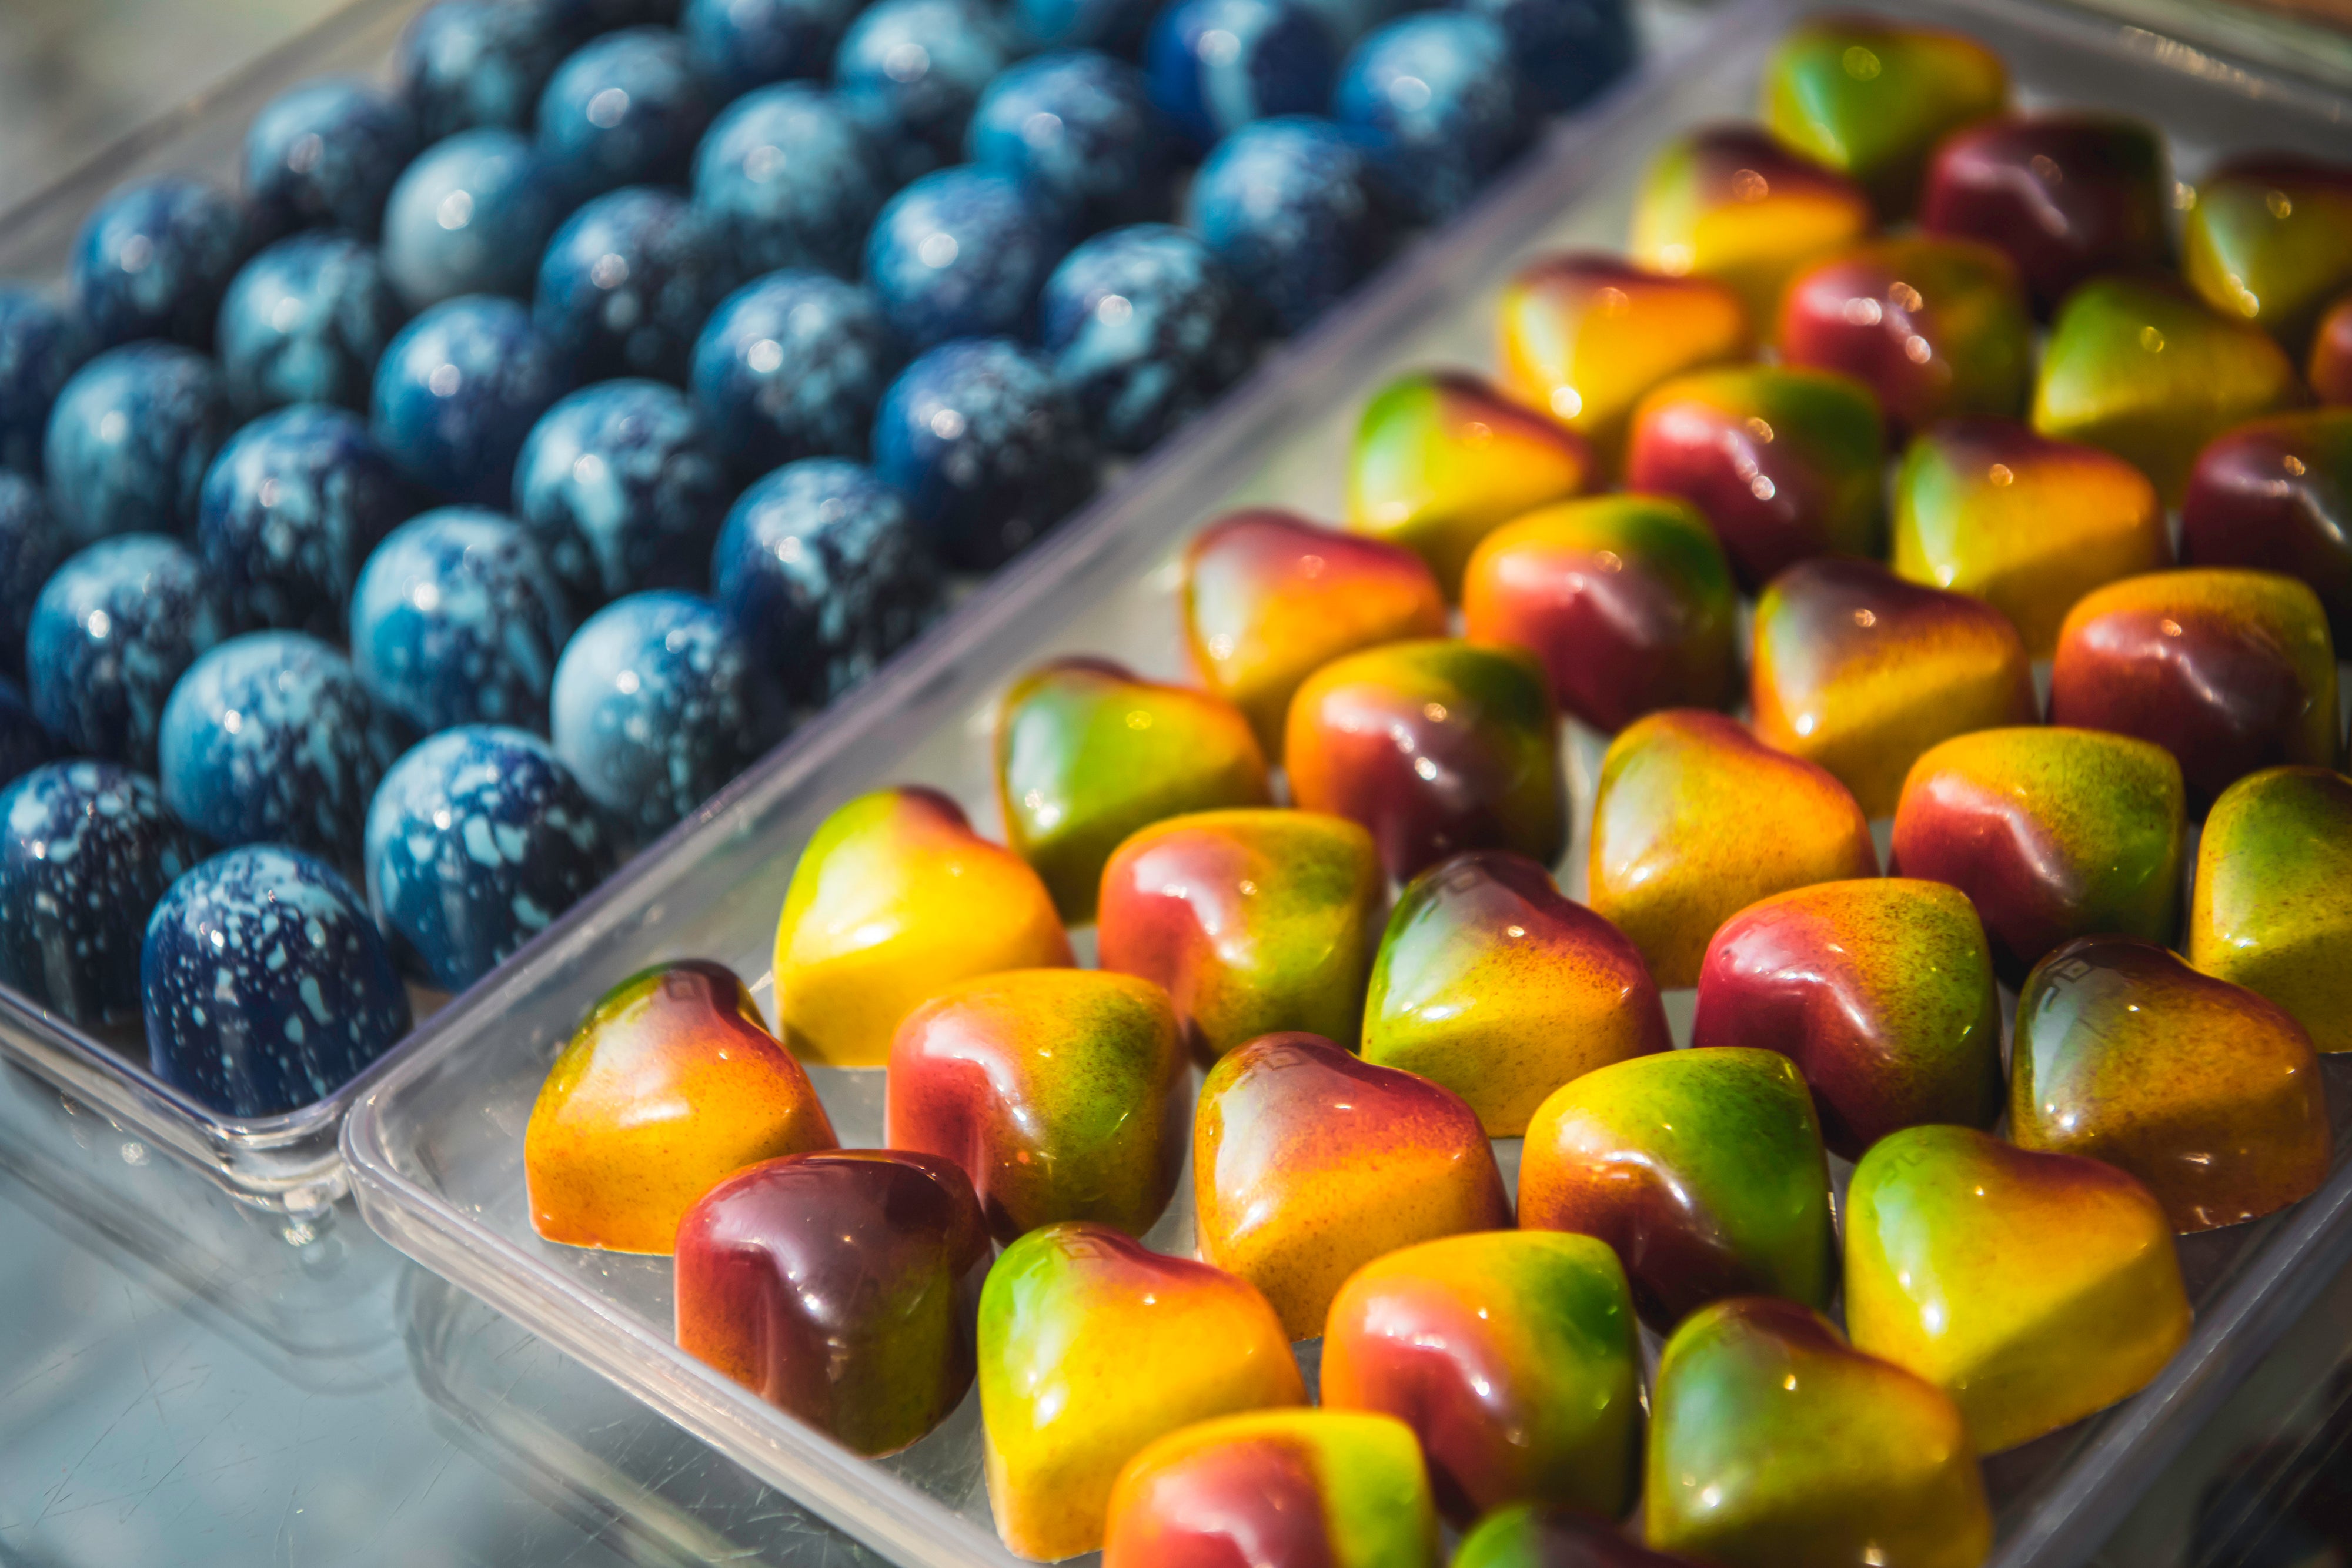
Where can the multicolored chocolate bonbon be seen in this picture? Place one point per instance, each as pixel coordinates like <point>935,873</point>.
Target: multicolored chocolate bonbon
<point>841,1287</point>
<point>1256,921</point>
<point>2271,908</point>
<point>1088,752</point>
<point>1989,507</point>
<point>2276,494</point>
<point>1774,1441</point>
<point>1729,203</point>
<point>1881,991</point>
<point>2268,238</point>
<point>2150,372</point>
<point>1308,1162</point>
<point>1062,1093</point>
<point>2034,1289</point>
<point>2067,195</point>
<point>1937,327</point>
<point>1435,747</point>
<point>1441,460</point>
<point>1091,1347</point>
<point>2054,834</point>
<point>1703,1169</point>
<point>1290,1488</point>
<point>2205,1091</point>
<point>1872,99</point>
<point>670,1082</point>
<point>1626,598</point>
<point>1861,671</point>
<point>1787,464</point>
<point>1585,336</point>
<point>2230,670</point>
<point>893,898</point>
<point>1493,983</point>
<point>1512,1354</point>
<point>1662,867</point>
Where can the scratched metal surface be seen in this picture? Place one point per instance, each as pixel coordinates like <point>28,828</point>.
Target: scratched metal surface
<point>183,1385</point>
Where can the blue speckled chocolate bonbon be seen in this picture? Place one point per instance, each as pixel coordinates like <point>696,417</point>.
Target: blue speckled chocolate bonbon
<point>1078,125</point>
<point>130,438</point>
<point>112,631</point>
<point>306,321</point>
<point>790,366</point>
<point>1294,207</point>
<point>271,736</point>
<point>470,216</point>
<point>1214,66</point>
<point>820,564</point>
<point>623,109</point>
<point>1565,51</point>
<point>458,390</point>
<point>24,743</point>
<point>659,701</point>
<point>290,509</point>
<point>1145,328</point>
<point>266,985</point>
<point>324,156</point>
<point>476,841</point>
<point>456,619</point>
<point>1440,105</point>
<point>986,446</point>
<point>911,70</point>
<point>31,548</point>
<point>789,177</point>
<point>86,849</point>
<point>622,490</point>
<point>739,44</point>
<point>40,347</point>
<point>626,284</point>
<point>467,63</point>
<point>1116,27</point>
<point>962,254</point>
<point>151,259</point>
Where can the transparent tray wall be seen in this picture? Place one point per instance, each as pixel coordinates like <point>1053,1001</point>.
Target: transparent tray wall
<point>435,1145</point>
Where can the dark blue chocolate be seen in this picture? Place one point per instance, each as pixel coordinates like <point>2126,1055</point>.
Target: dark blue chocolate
<point>130,438</point>
<point>324,156</point>
<point>306,321</point>
<point>988,448</point>
<point>456,619</point>
<point>470,216</point>
<point>623,109</point>
<point>476,842</point>
<point>962,254</point>
<point>110,633</point>
<point>821,566</point>
<point>86,849</point>
<point>153,259</point>
<point>1295,209</point>
<point>660,700</point>
<point>791,365</point>
<point>291,507</point>
<point>1078,125</point>
<point>626,284</point>
<point>623,489</point>
<point>1145,328</point>
<point>456,392</point>
<point>789,178</point>
<point>267,986</point>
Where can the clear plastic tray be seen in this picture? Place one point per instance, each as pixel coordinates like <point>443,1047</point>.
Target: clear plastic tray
<point>435,1145</point>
